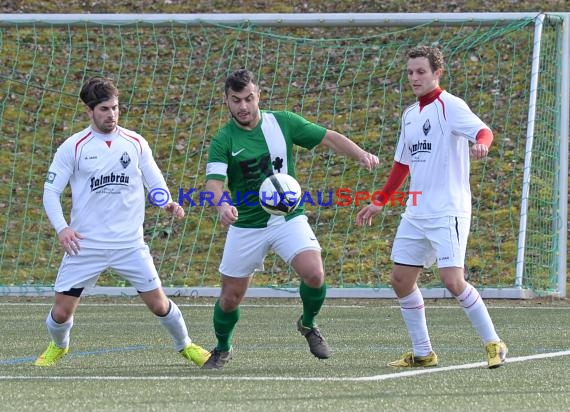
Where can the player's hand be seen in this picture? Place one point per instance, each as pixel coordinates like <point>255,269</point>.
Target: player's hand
<point>228,214</point>
<point>69,240</point>
<point>369,161</point>
<point>364,217</point>
<point>175,209</point>
<point>479,150</point>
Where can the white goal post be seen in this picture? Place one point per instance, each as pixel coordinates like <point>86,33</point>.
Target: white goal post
<point>517,290</point>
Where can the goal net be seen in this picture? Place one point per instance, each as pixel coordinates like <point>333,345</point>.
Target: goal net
<point>346,72</point>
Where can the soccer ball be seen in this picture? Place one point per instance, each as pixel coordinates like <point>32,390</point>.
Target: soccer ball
<point>280,194</point>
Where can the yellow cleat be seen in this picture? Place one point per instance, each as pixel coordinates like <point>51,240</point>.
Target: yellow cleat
<point>496,353</point>
<point>408,360</point>
<point>196,354</point>
<point>51,355</point>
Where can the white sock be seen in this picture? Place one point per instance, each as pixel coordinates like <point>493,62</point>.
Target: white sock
<point>59,332</point>
<point>413,311</point>
<point>174,323</point>
<point>475,309</point>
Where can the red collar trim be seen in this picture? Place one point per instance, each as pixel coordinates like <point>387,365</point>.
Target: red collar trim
<point>429,98</point>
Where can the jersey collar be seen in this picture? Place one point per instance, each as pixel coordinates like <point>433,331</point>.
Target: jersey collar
<point>429,98</point>
<point>105,136</point>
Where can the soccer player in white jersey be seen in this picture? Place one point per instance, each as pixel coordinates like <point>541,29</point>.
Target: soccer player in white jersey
<point>434,150</point>
<point>251,146</point>
<point>108,168</point>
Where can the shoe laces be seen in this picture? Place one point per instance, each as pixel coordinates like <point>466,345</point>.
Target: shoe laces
<point>216,354</point>
<point>409,358</point>
<point>315,331</point>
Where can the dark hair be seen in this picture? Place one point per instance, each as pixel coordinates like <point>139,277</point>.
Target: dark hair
<point>433,54</point>
<point>96,90</point>
<point>238,80</point>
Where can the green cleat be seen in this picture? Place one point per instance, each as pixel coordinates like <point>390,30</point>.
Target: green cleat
<point>218,359</point>
<point>408,360</point>
<point>51,355</point>
<point>496,354</point>
<point>196,354</point>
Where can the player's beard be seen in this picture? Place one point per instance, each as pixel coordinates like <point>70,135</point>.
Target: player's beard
<point>106,126</point>
<point>248,124</point>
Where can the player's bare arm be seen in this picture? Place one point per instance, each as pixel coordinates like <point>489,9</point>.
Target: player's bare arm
<point>343,145</point>
<point>228,213</point>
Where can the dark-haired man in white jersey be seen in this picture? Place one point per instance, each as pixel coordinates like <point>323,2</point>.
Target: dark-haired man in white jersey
<point>251,146</point>
<point>108,168</point>
<point>434,150</point>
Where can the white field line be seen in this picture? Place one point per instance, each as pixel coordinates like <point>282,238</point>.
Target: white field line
<point>278,305</point>
<point>375,378</point>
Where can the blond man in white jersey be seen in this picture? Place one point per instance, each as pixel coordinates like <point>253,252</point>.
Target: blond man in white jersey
<point>108,168</point>
<point>434,150</point>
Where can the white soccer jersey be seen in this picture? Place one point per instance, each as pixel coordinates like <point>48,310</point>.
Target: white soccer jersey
<point>434,143</point>
<point>107,174</point>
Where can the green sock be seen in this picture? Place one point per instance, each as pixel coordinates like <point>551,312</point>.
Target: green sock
<point>224,325</point>
<point>312,300</point>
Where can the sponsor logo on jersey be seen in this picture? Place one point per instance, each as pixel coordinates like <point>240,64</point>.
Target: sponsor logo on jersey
<point>422,146</point>
<point>113,179</point>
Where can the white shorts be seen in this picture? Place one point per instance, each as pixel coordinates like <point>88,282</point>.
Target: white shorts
<point>422,242</point>
<point>245,249</point>
<point>133,264</point>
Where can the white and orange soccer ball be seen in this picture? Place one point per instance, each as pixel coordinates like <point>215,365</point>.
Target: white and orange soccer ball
<point>280,194</point>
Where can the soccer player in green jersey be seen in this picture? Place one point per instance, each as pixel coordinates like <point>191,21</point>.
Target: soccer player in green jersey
<point>251,146</point>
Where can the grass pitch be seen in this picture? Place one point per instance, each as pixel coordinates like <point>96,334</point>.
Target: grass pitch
<point>121,359</point>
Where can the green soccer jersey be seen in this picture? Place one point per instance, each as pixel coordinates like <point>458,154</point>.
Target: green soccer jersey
<point>247,157</point>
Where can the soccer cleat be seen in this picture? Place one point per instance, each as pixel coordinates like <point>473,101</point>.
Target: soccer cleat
<point>196,354</point>
<point>317,343</point>
<point>496,353</point>
<point>218,359</point>
<point>408,360</point>
<point>51,355</point>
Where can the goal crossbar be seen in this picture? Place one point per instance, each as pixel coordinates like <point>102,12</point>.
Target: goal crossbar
<point>269,19</point>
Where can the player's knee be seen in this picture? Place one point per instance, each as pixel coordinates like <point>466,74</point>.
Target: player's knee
<point>312,274</point>
<point>402,285</point>
<point>229,302</point>
<point>314,279</point>
<point>159,308</point>
<point>232,293</point>
<point>61,314</point>
<point>156,301</point>
<point>455,286</point>
<point>453,279</point>
<point>396,280</point>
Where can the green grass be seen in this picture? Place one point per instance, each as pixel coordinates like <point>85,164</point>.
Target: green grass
<point>283,6</point>
<point>121,359</point>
